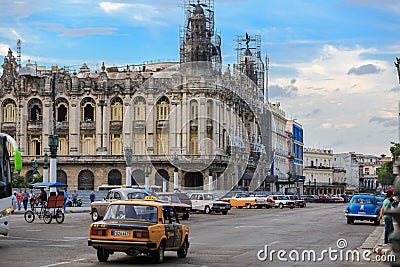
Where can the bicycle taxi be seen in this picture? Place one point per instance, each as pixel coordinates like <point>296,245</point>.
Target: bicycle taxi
<point>50,209</point>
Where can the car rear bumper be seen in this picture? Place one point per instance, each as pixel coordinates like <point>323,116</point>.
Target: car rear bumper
<point>362,216</point>
<point>122,244</point>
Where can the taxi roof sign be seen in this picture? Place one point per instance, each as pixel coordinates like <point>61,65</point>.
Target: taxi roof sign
<point>150,198</point>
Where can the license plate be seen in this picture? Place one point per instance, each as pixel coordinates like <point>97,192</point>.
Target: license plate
<point>222,208</point>
<point>119,233</point>
<point>361,212</point>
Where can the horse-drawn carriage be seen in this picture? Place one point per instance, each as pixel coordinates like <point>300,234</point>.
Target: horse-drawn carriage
<point>50,209</point>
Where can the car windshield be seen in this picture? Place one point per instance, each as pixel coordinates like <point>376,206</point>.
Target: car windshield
<point>282,198</point>
<point>171,198</point>
<point>362,200</point>
<point>131,212</point>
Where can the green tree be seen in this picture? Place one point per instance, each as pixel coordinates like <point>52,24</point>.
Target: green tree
<point>385,172</point>
<point>37,178</point>
<point>18,181</point>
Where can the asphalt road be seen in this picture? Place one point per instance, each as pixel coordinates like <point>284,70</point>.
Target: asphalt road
<point>216,240</point>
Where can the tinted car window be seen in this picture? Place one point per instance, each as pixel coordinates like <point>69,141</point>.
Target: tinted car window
<point>131,212</point>
<point>117,195</point>
<point>137,195</point>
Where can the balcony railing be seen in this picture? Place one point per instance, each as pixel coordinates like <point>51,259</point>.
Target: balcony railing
<point>88,125</point>
<point>62,125</point>
<point>8,126</point>
<point>35,125</point>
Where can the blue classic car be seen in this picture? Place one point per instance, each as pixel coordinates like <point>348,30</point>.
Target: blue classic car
<point>363,208</point>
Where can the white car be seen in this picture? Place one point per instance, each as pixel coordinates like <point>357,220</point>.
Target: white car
<point>206,202</point>
<point>280,201</point>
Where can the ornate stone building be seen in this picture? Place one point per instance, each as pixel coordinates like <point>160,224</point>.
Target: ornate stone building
<point>206,120</point>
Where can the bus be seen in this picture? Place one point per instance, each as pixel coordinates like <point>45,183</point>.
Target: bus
<point>6,179</point>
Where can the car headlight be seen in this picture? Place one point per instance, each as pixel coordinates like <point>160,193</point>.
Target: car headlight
<point>5,212</point>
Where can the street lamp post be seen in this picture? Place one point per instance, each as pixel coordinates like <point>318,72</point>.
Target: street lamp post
<point>147,171</point>
<point>128,171</point>
<point>45,168</point>
<point>210,178</point>
<point>395,213</point>
<point>315,186</point>
<point>53,138</point>
<point>176,184</point>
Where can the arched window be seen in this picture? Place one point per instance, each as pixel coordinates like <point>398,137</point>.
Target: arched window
<point>116,144</point>
<point>209,109</point>
<point>139,106</point>
<point>61,109</point>
<point>9,111</point>
<point>35,145</point>
<point>194,110</point>
<point>34,110</point>
<point>88,144</point>
<point>163,109</point>
<point>117,109</point>
<point>63,148</point>
<point>88,109</point>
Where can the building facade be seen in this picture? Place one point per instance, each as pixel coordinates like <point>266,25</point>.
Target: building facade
<point>321,177</point>
<point>194,116</point>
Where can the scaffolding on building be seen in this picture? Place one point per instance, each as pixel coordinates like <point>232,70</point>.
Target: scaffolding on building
<point>214,47</point>
<point>245,43</point>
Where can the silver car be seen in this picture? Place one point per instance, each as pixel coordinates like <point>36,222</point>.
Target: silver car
<point>98,208</point>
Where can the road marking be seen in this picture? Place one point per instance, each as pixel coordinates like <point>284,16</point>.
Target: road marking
<point>62,263</point>
<point>33,230</point>
<point>61,246</point>
<point>75,237</point>
<point>248,226</point>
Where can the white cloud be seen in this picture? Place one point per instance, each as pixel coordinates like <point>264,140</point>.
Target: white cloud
<point>137,12</point>
<point>353,110</point>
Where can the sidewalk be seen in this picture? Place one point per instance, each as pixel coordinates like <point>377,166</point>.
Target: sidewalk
<point>375,242</point>
<point>68,210</point>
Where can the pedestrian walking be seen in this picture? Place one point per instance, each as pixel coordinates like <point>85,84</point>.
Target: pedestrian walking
<point>13,202</point>
<point>25,199</point>
<point>65,200</point>
<point>92,197</point>
<point>75,198</point>
<point>387,204</point>
<point>19,199</point>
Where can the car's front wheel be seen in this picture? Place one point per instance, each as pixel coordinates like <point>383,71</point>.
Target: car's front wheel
<point>280,205</point>
<point>185,216</point>
<point>376,222</point>
<point>224,212</point>
<point>349,220</point>
<point>102,254</point>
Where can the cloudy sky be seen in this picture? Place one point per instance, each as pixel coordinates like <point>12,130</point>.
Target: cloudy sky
<point>331,62</point>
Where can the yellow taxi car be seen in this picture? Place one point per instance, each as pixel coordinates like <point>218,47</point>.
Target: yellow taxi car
<point>138,227</point>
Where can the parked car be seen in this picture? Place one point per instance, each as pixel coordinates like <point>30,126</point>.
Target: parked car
<point>298,200</point>
<point>139,227</point>
<point>311,198</point>
<point>280,201</point>
<point>182,209</point>
<point>246,200</point>
<point>184,198</point>
<point>98,208</point>
<point>363,208</point>
<point>207,202</point>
